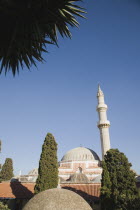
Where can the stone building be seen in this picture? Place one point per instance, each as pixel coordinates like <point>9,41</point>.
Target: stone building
<point>30,177</point>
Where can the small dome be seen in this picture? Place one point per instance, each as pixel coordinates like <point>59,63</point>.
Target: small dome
<point>97,179</point>
<point>58,199</point>
<point>80,153</point>
<point>33,172</point>
<point>78,178</point>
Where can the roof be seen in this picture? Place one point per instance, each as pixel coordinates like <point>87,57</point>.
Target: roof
<point>25,190</point>
<point>87,191</point>
<point>64,199</point>
<point>80,153</point>
<point>16,190</point>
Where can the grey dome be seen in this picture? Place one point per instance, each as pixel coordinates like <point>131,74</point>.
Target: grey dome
<point>80,153</point>
<point>78,178</point>
<point>57,199</point>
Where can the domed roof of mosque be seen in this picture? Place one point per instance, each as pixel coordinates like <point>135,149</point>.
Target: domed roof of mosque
<point>33,172</point>
<point>78,178</point>
<point>57,199</point>
<point>80,153</point>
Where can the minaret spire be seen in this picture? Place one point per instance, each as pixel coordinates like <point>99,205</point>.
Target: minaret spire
<point>99,89</point>
<point>103,123</point>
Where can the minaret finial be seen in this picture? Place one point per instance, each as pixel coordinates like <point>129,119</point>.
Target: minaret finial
<point>100,92</point>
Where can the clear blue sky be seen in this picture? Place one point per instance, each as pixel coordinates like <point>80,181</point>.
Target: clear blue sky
<point>60,96</point>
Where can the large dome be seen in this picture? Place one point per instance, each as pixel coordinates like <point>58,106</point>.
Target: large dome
<point>57,199</point>
<point>80,153</point>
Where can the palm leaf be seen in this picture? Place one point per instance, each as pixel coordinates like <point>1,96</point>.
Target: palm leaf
<point>29,26</point>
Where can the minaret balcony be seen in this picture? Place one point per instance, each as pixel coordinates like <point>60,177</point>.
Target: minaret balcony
<point>103,124</point>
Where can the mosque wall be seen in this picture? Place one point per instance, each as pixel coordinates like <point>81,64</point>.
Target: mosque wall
<point>90,168</point>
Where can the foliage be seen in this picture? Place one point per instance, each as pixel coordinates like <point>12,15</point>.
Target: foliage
<point>3,207</point>
<point>7,170</point>
<point>133,204</point>
<point>28,26</point>
<point>118,182</point>
<point>105,190</point>
<point>48,165</point>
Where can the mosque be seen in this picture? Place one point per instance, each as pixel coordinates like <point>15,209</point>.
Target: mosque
<point>82,160</point>
<point>79,169</point>
<point>85,160</point>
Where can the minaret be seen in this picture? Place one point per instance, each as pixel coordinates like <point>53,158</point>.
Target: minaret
<point>103,123</point>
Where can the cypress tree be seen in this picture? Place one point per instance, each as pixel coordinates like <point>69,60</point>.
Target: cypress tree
<point>7,170</point>
<point>48,165</point>
<point>122,178</point>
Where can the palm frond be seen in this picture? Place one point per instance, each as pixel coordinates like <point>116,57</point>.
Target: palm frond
<point>28,26</point>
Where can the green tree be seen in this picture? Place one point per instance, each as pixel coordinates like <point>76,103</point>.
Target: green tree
<point>105,190</point>
<point>133,204</point>
<point>3,206</point>
<point>28,26</point>
<point>48,165</point>
<point>7,170</point>
<point>119,187</point>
